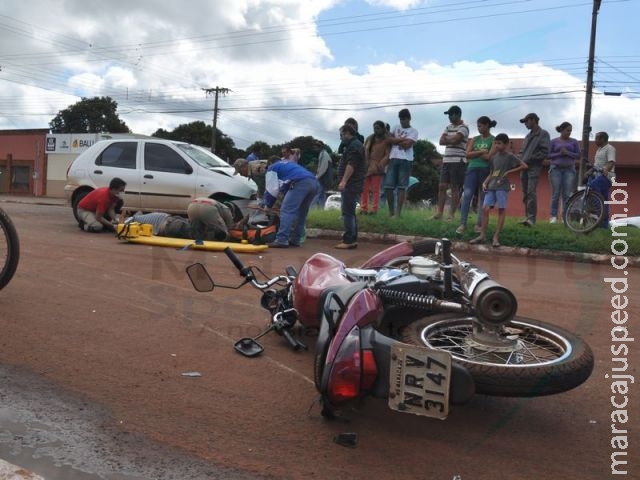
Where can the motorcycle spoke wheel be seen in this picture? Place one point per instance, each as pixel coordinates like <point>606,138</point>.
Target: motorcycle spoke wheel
<point>529,358</point>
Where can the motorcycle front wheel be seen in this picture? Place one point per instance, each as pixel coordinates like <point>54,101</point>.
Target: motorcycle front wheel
<point>9,249</point>
<point>524,358</point>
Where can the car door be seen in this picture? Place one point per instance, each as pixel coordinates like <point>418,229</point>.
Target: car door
<point>168,179</point>
<point>118,159</point>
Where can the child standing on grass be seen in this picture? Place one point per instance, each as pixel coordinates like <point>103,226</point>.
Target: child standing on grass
<point>496,186</point>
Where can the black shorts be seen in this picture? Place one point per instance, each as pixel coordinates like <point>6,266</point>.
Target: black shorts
<point>453,173</point>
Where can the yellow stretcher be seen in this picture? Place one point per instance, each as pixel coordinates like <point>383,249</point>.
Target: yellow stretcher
<point>143,233</point>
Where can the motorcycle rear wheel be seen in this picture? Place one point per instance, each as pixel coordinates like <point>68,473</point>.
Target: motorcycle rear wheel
<point>543,359</point>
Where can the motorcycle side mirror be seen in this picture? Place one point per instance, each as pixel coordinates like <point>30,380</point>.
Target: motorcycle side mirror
<point>248,347</point>
<point>200,278</point>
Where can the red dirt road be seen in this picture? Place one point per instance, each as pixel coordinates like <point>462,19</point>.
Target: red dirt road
<point>118,324</point>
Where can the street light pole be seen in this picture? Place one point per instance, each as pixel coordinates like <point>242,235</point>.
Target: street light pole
<point>586,124</point>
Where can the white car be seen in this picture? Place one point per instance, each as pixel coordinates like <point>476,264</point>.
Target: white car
<point>161,175</point>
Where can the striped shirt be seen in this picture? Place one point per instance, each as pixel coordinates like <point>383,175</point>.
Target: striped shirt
<point>458,151</point>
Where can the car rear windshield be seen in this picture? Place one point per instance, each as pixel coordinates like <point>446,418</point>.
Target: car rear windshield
<point>202,156</point>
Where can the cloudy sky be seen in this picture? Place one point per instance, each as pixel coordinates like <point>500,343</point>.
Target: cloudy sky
<point>300,67</point>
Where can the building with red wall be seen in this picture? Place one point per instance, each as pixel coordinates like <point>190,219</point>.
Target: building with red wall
<point>23,162</point>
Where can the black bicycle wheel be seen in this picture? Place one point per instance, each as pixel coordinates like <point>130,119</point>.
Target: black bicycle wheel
<point>584,211</point>
<point>528,358</point>
<point>9,249</point>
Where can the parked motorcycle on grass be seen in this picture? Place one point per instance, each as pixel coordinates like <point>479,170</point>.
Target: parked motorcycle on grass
<point>413,324</point>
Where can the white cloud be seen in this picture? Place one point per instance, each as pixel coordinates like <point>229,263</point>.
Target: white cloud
<point>158,57</point>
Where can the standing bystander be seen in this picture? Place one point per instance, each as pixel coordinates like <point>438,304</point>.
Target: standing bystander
<point>376,154</point>
<point>605,158</point>
<point>478,154</point>
<point>563,154</point>
<point>351,171</point>
<point>324,173</point>
<point>402,139</point>
<point>454,138</point>
<point>535,150</point>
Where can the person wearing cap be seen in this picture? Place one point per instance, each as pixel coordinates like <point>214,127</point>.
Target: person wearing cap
<point>535,149</point>
<point>402,139</point>
<point>454,138</point>
<point>324,173</point>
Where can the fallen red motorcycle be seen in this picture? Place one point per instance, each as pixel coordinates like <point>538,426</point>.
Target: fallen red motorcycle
<point>413,324</point>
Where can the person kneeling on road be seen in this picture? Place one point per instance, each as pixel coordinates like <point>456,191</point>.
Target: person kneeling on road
<point>211,220</point>
<point>97,211</point>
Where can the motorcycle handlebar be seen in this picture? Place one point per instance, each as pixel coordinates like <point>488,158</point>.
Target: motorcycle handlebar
<point>425,247</point>
<point>244,271</point>
<point>297,345</point>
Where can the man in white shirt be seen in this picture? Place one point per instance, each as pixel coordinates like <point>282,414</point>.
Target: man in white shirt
<point>402,139</point>
<point>604,158</point>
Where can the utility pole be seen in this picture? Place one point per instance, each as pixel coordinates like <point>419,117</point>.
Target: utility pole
<point>586,124</point>
<point>215,91</point>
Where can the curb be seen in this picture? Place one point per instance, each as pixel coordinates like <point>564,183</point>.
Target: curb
<point>596,258</point>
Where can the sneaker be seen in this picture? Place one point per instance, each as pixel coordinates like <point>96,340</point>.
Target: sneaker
<point>460,230</point>
<point>553,220</point>
<point>277,245</point>
<point>346,246</point>
<point>527,223</point>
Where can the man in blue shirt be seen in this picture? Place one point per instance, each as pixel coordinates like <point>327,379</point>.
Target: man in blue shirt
<point>299,187</point>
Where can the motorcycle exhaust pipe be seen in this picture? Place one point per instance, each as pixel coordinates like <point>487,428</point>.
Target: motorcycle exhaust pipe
<point>492,303</point>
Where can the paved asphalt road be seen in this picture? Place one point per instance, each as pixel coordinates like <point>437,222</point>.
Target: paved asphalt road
<point>95,335</point>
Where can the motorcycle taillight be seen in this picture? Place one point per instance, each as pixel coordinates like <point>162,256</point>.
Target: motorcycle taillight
<point>353,370</point>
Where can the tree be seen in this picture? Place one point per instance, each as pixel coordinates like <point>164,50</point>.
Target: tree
<point>89,115</point>
<point>424,169</point>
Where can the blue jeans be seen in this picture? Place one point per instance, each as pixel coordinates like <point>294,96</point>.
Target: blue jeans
<point>320,198</point>
<point>350,196</point>
<point>294,210</point>
<point>562,181</point>
<point>473,179</point>
<point>602,185</point>
<point>398,173</point>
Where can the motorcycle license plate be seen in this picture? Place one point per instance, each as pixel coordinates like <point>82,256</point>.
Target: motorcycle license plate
<point>419,380</point>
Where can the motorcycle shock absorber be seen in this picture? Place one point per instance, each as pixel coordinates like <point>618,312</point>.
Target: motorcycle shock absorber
<point>419,301</point>
<point>407,299</point>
